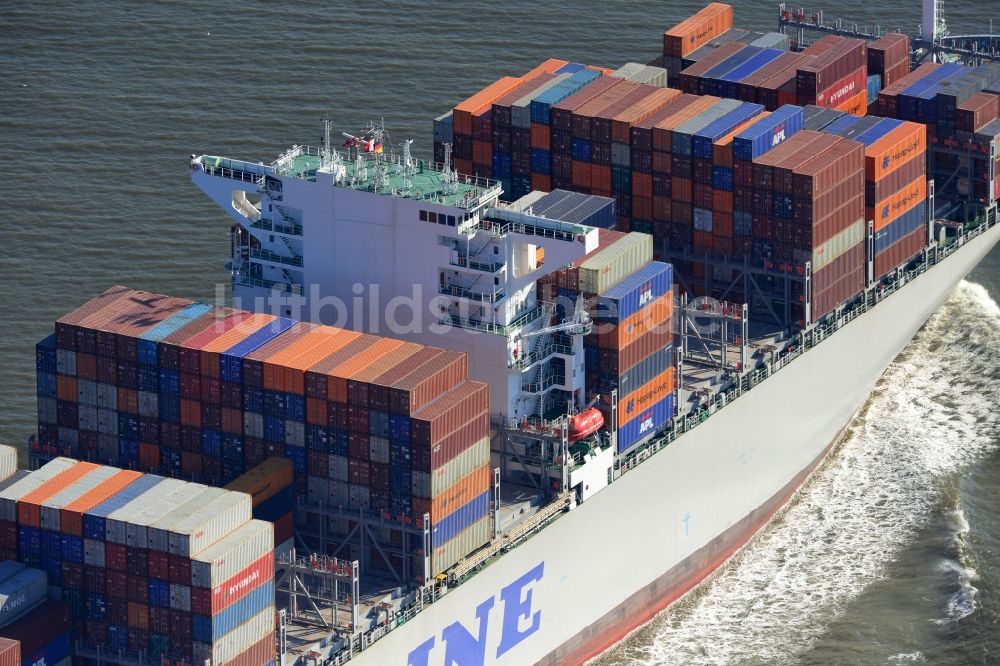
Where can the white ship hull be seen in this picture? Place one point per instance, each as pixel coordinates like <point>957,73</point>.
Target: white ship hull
<point>611,564</point>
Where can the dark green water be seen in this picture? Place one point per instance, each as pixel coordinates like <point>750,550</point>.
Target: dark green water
<point>891,555</point>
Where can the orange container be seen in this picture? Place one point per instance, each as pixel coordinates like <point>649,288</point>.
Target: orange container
<point>541,183</point>
<point>680,188</point>
<point>548,67</point>
<point>581,174</point>
<point>661,163</point>
<point>600,177</point>
<point>138,616</point>
<point>642,185</point>
<point>904,143</point>
<point>86,366</point>
<point>661,208</point>
<point>722,226</point>
<point>190,413</point>
<point>480,102</point>
<point>461,492</point>
<point>482,152</point>
<point>856,106</point>
<point>66,388</point>
<point>265,480</point>
<point>696,31</point>
<point>128,401</point>
<point>642,208</point>
<point>71,515</point>
<point>645,396</point>
<point>541,137</point>
<point>336,383</point>
<point>621,124</point>
<point>619,336</point>
<point>316,413</point>
<point>463,167</point>
<point>661,133</point>
<point>149,454</point>
<point>29,506</point>
<point>722,201</point>
<point>896,204</point>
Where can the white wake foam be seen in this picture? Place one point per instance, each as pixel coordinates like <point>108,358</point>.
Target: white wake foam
<point>932,414</point>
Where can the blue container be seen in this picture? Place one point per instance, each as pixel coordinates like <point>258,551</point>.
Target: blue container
<point>338,442</point>
<point>730,81</point>
<point>53,652</point>
<point>117,636</point>
<point>317,438</point>
<point>297,455</point>
<point>782,205</point>
<point>145,344</point>
<point>149,378</point>
<point>722,178</point>
<point>900,228</point>
<point>211,443</point>
<point>635,292</point>
<point>206,629</point>
<point>170,408</point>
<point>461,518</point>
<point>276,506</point>
<point>274,429</point>
<point>128,425</point>
<point>253,399</point>
<point>399,427</point>
<point>128,449</point>
<point>541,161</point>
<point>29,539</point>
<point>170,382</point>
<point>230,361</point>
<point>742,223</point>
<point>45,354</point>
<point>873,85</point>
<point>94,519</point>
<point>295,407</point>
<point>542,105</point>
<point>159,593</point>
<point>580,150</point>
<point>646,424</point>
<point>97,606</point>
<point>841,124</point>
<point>732,62</point>
<point>570,68</point>
<point>72,548</point>
<point>501,165</point>
<point>882,128</point>
<point>46,384</point>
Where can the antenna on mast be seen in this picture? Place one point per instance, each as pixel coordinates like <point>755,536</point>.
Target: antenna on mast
<point>326,161</point>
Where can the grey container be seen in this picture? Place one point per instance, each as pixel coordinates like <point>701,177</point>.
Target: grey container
<point>69,437</point>
<point>621,154</point>
<point>9,496</point>
<point>614,263</point>
<point>86,392</point>
<point>681,136</point>
<point>338,493</point>
<point>149,404</point>
<point>87,417</point>
<point>295,433</point>
<point>772,40</point>
<point>22,592</point>
<point>443,128</point>
<point>253,425</point>
<point>47,413</point>
<point>358,496</point>
<point>66,362</point>
<point>107,446</point>
<point>337,468</point>
<point>107,422</point>
<point>378,449</point>
<point>107,396</point>
<point>628,70</point>
<point>93,553</point>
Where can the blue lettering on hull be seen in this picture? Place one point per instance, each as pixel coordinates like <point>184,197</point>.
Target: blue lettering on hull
<point>463,647</point>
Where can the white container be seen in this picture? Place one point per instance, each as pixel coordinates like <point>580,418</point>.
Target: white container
<point>160,524</point>
<point>8,459</point>
<point>118,522</point>
<point>611,265</point>
<point>210,523</point>
<point>232,554</point>
<point>459,467</point>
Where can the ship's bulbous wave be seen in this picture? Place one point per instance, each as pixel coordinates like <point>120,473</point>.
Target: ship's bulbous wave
<point>932,414</point>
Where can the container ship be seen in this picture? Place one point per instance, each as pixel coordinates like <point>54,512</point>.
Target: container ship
<point>504,405</point>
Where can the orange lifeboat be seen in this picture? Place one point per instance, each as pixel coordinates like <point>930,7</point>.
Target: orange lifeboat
<point>585,423</point>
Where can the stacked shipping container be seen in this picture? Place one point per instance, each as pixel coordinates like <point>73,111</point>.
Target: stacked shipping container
<point>178,388</point>
<point>126,553</point>
<point>40,636</point>
<point>272,490</point>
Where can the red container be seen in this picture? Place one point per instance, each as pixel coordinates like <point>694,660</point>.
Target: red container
<point>38,627</point>
<point>970,115</point>
<point>900,252</point>
<point>641,135</point>
<point>433,422</point>
<point>240,585</point>
<point>887,96</point>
